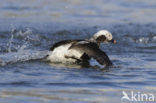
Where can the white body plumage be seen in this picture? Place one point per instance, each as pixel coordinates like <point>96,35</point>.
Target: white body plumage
<point>63,54</point>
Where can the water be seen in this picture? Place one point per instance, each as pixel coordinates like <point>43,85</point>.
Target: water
<point>30,27</point>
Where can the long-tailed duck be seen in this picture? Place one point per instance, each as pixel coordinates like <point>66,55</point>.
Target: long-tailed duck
<point>81,51</point>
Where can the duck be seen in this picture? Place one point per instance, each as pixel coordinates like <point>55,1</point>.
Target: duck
<point>81,51</point>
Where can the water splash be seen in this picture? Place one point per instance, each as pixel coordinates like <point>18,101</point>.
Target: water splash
<point>22,55</point>
<point>143,40</point>
<point>18,52</point>
<point>11,40</point>
<point>154,39</point>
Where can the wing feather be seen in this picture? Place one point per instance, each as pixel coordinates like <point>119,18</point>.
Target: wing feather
<point>93,51</point>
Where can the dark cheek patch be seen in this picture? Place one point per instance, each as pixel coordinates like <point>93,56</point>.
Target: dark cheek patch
<point>101,38</point>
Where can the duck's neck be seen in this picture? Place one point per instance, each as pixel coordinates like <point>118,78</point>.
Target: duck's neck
<point>93,40</point>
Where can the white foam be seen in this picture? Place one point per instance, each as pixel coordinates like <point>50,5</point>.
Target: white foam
<point>24,55</point>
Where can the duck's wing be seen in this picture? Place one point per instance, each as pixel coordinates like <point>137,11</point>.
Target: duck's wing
<point>93,51</point>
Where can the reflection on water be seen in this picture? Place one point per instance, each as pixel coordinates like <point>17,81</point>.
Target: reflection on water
<point>30,27</point>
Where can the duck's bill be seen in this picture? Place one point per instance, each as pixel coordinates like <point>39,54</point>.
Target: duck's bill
<point>113,41</point>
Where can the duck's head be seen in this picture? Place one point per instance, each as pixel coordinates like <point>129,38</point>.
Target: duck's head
<point>103,36</point>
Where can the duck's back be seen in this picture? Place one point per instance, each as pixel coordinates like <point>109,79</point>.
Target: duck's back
<point>60,52</point>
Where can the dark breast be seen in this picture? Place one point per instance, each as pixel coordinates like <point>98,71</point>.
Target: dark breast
<point>85,58</point>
